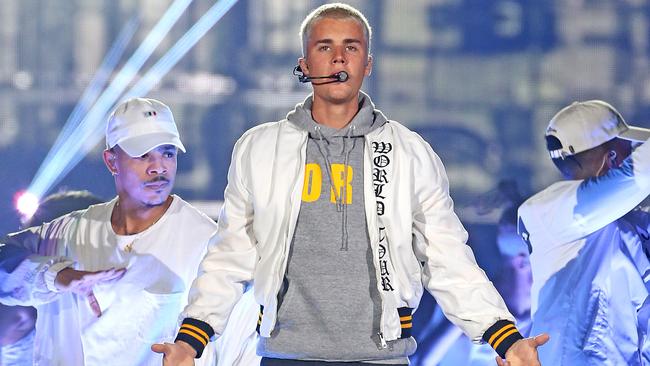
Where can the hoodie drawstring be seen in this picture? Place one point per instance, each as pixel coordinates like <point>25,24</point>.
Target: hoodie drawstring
<point>340,199</point>
<point>321,138</point>
<point>344,225</point>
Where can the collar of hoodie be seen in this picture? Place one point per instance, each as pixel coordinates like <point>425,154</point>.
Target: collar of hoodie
<point>365,121</point>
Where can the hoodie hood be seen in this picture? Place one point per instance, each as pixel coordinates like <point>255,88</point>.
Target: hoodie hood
<point>365,121</point>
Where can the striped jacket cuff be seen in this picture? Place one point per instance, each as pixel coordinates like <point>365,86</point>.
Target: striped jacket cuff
<point>501,336</point>
<point>405,321</point>
<point>196,333</point>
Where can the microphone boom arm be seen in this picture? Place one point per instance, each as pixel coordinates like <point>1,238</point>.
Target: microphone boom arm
<point>340,76</point>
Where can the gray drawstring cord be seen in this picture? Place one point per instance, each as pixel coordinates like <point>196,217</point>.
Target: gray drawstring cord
<point>340,199</point>
<point>328,168</point>
<point>344,224</point>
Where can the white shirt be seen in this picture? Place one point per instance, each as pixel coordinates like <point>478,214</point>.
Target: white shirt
<point>140,309</point>
<point>590,271</point>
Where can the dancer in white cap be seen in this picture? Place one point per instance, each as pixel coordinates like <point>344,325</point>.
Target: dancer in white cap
<point>589,236</point>
<point>111,280</point>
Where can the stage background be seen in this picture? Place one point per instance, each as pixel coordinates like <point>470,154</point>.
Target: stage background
<point>478,79</point>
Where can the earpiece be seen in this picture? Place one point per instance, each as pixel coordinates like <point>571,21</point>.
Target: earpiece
<point>113,169</point>
<point>612,155</point>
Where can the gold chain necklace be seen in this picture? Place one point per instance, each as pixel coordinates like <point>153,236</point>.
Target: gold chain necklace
<point>129,247</point>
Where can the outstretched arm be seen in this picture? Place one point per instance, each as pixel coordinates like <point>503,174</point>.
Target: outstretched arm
<point>450,272</point>
<point>570,210</point>
<point>226,269</point>
<point>33,268</point>
<point>29,262</point>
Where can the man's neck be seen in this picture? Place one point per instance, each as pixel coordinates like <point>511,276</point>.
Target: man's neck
<point>130,218</point>
<point>334,115</point>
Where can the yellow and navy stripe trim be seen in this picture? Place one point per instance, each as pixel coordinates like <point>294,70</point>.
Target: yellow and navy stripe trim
<point>196,333</point>
<point>501,336</point>
<point>259,319</point>
<point>405,321</point>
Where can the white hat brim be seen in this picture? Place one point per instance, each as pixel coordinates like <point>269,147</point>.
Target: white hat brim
<point>140,145</point>
<point>633,133</point>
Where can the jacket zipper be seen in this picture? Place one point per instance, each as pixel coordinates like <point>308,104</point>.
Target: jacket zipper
<point>382,340</point>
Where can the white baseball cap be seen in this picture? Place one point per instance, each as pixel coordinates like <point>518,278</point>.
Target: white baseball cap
<point>584,125</point>
<point>139,125</point>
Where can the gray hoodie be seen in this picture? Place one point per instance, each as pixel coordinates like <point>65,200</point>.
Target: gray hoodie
<point>329,306</point>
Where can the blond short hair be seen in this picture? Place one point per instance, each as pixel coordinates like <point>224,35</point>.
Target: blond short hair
<point>336,11</point>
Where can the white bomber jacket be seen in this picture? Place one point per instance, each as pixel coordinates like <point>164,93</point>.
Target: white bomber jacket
<point>416,237</point>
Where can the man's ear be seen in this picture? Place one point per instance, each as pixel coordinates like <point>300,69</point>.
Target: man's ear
<point>611,159</point>
<point>368,69</point>
<point>303,65</point>
<point>110,161</point>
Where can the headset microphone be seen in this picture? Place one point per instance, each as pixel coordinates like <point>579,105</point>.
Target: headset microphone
<point>340,76</point>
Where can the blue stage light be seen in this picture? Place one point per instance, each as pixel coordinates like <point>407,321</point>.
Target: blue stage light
<point>84,137</point>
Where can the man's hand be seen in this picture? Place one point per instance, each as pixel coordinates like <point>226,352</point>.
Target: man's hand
<point>82,282</point>
<point>524,352</point>
<point>175,354</point>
